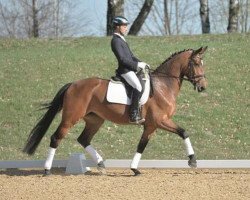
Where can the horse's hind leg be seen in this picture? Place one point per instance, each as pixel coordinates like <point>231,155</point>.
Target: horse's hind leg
<point>93,123</point>
<point>55,139</point>
<point>73,110</point>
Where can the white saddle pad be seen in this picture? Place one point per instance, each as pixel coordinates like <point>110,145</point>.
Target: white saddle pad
<point>117,93</point>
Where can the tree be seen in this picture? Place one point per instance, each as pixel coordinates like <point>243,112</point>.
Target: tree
<point>204,13</point>
<point>167,17</point>
<point>33,18</point>
<point>115,8</point>
<point>243,25</point>
<point>140,19</point>
<point>35,27</point>
<point>233,16</point>
<point>173,17</point>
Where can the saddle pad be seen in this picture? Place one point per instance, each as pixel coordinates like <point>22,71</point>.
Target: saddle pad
<point>117,93</point>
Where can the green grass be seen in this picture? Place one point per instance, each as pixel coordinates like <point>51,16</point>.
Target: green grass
<point>32,71</point>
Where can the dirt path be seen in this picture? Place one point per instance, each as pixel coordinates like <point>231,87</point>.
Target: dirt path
<point>120,184</point>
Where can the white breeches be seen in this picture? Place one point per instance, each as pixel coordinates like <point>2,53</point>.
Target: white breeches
<point>132,80</point>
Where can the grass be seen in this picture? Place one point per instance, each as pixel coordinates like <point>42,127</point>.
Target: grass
<point>32,71</point>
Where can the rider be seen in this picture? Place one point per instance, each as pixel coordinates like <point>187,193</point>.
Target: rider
<point>128,65</point>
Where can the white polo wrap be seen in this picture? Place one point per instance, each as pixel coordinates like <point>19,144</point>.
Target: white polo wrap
<point>188,146</point>
<point>135,161</point>
<point>94,154</point>
<point>48,162</point>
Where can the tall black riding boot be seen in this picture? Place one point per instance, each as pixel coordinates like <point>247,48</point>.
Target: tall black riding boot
<point>135,114</point>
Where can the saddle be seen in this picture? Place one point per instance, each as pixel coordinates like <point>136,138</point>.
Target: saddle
<point>119,91</point>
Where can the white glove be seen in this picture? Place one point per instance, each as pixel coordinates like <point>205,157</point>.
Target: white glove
<point>142,65</point>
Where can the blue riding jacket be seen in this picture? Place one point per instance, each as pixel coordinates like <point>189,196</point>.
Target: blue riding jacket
<point>126,60</point>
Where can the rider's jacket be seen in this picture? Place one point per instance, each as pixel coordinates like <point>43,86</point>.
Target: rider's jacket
<point>126,60</point>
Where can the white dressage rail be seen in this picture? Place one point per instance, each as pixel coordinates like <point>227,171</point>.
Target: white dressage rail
<point>126,164</point>
<point>77,164</point>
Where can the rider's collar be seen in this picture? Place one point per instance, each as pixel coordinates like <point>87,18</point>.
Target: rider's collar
<point>120,36</point>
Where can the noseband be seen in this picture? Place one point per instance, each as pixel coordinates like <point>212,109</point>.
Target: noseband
<point>191,77</point>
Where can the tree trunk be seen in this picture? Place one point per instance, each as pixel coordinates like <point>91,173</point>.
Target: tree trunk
<point>115,8</point>
<point>204,13</point>
<point>56,17</point>
<point>140,19</point>
<point>35,27</point>
<point>233,16</point>
<point>246,21</point>
<point>177,17</point>
<point>166,19</point>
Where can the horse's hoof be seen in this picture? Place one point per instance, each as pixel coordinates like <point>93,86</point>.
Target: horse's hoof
<point>47,172</point>
<point>136,172</point>
<point>192,161</point>
<point>101,168</point>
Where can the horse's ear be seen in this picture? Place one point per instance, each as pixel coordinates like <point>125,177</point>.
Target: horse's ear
<point>203,50</point>
<point>199,51</point>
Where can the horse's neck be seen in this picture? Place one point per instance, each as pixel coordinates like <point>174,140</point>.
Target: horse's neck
<point>169,75</point>
<point>167,85</point>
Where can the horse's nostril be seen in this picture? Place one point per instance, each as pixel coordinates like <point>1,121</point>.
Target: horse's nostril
<point>201,88</point>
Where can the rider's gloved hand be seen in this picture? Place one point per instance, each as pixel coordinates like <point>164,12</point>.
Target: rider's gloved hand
<point>142,65</point>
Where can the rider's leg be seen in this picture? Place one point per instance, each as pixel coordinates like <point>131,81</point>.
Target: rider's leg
<point>135,113</point>
<point>132,79</point>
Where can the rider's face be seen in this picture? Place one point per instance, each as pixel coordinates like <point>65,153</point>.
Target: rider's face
<point>123,29</point>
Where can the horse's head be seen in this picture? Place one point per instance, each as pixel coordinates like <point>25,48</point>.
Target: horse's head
<point>195,71</point>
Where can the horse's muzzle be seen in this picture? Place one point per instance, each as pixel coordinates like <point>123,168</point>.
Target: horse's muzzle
<point>200,85</point>
<point>200,88</point>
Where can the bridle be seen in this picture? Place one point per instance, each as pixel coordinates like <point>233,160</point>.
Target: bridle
<point>194,79</point>
<point>190,75</point>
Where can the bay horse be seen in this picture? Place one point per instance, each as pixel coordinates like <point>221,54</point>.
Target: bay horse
<point>86,99</point>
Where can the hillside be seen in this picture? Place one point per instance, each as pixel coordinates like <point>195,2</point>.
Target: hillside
<point>32,71</point>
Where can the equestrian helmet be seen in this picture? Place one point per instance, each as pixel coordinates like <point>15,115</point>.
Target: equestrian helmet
<point>119,20</point>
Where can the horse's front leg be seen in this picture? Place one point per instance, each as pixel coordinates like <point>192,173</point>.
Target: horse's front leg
<point>147,133</point>
<point>169,125</point>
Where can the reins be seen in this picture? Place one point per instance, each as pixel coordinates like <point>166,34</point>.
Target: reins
<point>191,79</point>
<point>163,74</point>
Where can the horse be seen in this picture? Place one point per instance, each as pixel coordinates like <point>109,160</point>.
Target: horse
<point>86,100</point>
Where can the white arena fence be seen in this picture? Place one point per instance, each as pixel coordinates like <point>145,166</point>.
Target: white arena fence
<point>77,164</point>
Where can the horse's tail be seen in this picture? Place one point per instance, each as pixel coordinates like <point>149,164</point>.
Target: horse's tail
<point>42,126</point>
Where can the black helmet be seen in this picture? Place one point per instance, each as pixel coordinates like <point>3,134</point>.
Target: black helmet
<point>119,20</point>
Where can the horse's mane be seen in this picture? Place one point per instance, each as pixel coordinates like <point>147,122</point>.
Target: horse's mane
<point>174,54</point>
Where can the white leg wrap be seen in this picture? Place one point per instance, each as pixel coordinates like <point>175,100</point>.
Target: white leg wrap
<point>93,153</point>
<point>189,147</point>
<point>48,162</point>
<point>135,161</point>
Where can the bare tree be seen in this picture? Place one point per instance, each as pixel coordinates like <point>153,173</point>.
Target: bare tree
<point>177,17</point>
<point>166,19</point>
<point>47,18</point>
<point>233,16</point>
<point>218,11</point>
<point>243,16</point>
<point>35,27</point>
<point>140,19</point>
<point>246,14</point>
<point>8,19</point>
<point>204,13</point>
<point>115,8</point>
